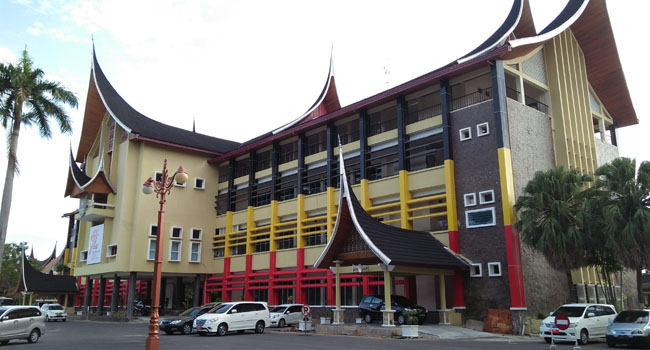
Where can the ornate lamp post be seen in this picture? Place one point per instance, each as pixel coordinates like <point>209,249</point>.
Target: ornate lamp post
<point>162,189</point>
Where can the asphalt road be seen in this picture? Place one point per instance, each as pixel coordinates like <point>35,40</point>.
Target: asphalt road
<point>87,335</point>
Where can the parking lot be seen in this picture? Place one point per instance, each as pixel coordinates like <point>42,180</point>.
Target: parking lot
<point>126,336</point>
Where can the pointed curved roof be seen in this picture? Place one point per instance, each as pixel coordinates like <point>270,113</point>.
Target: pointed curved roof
<point>33,281</point>
<point>102,97</point>
<point>413,248</point>
<point>79,184</point>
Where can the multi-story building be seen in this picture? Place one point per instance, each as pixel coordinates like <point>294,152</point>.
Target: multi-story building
<point>447,152</point>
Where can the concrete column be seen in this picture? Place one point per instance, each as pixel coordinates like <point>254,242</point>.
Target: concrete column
<point>116,292</point>
<point>338,317</point>
<point>196,296</point>
<point>88,294</point>
<point>100,298</point>
<point>443,300</point>
<point>178,293</point>
<point>163,292</point>
<point>131,296</point>
<point>388,313</point>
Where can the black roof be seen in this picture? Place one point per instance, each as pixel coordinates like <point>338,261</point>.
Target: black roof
<point>36,281</point>
<point>569,11</point>
<point>77,173</point>
<point>147,127</point>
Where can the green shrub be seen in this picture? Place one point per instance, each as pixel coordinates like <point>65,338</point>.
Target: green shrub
<point>540,315</point>
<point>118,314</point>
<point>410,316</point>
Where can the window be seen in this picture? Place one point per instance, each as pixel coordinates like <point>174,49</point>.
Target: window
<point>465,134</point>
<point>220,231</point>
<point>157,175</point>
<point>83,256</point>
<point>176,232</point>
<point>287,243</point>
<point>199,183</point>
<point>224,172</point>
<point>262,246</point>
<point>238,250</point>
<point>486,197</point>
<point>195,252</point>
<point>494,269</point>
<point>111,250</point>
<point>482,129</point>
<point>469,199</point>
<point>196,233</point>
<point>288,152</point>
<point>153,230</point>
<point>218,253</point>
<point>263,160</point>
<point>222,201</point>
<point>175,251</point>
<point>480,218</point>
<point>151,250</point>
<point>476,270</point>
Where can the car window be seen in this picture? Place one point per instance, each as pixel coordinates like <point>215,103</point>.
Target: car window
<point>591,309</point>
<point>260,307</point>
<point>376,300</point>
<point>279,309</point>
<point>632,317</point>
<point>295,308</point>
<point>56,307</point>
<point>190,312</point>
<point>367,299</point>
<point>570,311</point>
<point>34,312</point>
<point>13,314</point>
<point>221,309</point>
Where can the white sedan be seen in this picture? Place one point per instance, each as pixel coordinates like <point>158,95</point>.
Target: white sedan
<point>586,321</point>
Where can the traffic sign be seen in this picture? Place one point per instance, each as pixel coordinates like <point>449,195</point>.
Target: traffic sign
<point>306,310</point>
<point>562,321</point>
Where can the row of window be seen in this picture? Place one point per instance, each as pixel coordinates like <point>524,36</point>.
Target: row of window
<point>482,129</point>
<point>494,269</point>
<point>175,251</point>
<point>176,232</point>
<point>199,183</point>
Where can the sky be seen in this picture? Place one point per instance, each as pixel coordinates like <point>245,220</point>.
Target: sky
<point>242,68</point>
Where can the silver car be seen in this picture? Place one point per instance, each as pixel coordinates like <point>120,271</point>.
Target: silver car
<point>629,327</point>
<point>21,322</point>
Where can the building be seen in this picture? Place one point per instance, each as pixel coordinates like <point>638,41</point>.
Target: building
<point>445,153</point>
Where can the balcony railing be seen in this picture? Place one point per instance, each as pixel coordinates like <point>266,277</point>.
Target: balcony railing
<point>422,114</point>
<point>471,99</point>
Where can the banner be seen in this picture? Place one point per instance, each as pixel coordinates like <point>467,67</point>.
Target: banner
<point>95,243</point>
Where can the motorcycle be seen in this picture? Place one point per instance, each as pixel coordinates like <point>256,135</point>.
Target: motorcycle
<point>140,309</point>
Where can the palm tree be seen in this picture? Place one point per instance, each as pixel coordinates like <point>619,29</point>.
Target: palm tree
<point>551,213</point>
<point>626,211</point>
<point>27,98</point>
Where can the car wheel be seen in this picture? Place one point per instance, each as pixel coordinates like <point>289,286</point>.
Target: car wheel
<point>282,323</point>
<point>222,329</point>
<point>367,318</point>
<point>169,332</point>
<point>4,342</point>
<point>187,329</point>
<point>259,327</point>
<point>584,337</point>
<point>401,319</point>
<point>34,335</point>
<point>547,340</point>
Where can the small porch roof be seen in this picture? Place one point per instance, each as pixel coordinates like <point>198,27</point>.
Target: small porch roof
<point>358,238</point>
<point>33,281</point>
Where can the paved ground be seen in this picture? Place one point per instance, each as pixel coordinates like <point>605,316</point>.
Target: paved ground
<point>127,336</point>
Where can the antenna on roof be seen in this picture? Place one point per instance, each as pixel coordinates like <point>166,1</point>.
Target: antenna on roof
<point>193,125</point>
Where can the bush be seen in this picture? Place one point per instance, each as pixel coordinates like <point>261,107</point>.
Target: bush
<point>410,316</point>
<point>118,314</point>
<point>540,315</point>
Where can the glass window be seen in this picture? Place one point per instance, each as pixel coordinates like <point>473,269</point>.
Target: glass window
<point>175,251</point>
<point>177,232</point>
<point>263,160</point>
<point>424,151</point>
<point>382,121</point>
<point>348,132</point>
<point>288,152</point>
<point>195,252</point>
<point>315,143</point>
<point>151,251</point>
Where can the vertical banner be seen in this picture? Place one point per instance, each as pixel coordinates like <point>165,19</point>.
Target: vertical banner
<point>95,243</point>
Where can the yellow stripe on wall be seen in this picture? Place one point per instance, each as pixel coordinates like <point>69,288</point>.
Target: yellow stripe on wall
<point>450,190</point>
<point>507,186</point>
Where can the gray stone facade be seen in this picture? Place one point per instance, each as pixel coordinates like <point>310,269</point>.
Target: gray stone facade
<point>605,152</point>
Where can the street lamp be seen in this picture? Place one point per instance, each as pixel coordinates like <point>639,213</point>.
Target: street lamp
<point>162,189</point>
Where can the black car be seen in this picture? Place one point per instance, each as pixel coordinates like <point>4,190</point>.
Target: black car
<point>371,306</point>
<point>183,322</point>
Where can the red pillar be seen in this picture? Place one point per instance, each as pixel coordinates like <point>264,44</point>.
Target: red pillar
<point>457,279</point>
<point>331,288</point>
<point>248,293</point>
<point>365,285</point>
<point>301,296</point>
<point>273,293</point>
<point>95,294</point>
<point>226,295</point>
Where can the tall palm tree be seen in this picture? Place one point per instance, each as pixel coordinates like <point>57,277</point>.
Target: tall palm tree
<point>27,98</point>
<point>626,211</point>
<point>551,213</point>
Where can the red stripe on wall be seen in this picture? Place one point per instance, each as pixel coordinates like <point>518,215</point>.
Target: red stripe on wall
<point>515,275</point>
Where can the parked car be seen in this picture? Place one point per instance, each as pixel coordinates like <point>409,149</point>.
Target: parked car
<point>6,301</point>
<point>586,321</point>
<point>21,322</point>
<point>184,321</point>
<point>371,307</point>
<point>629,327</point>
<point>234,316</point>
<point>285,314</point>
<point>54,312</point>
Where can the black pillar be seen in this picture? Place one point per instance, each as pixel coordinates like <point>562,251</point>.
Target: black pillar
<point>231,185</point>
<point>178,293</point>
<point>163,292</point>
<point>196,296</point>
<point>301,163</point>
<point>363,143</point>
<point>329,144</point>
<point>100,297</point>
<point>445,98</point>
<point>274,170</point>
<point>252,159</point>
<point>88,295</point>
<point>116,292</point>
<point>612,132</point>
<point>401,132</point>
<point>131,296</point>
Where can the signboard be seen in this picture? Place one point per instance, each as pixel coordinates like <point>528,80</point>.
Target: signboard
<point>562,321</point>
<point>306,310</point>
<point>95,243</point>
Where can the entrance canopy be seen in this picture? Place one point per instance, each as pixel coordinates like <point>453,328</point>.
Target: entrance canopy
<point>358,238</point>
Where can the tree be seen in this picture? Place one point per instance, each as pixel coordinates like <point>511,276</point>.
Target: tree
<point>27,98</point>
<point>10,271</point>
<point>551,213</point>
<point>625,209</point>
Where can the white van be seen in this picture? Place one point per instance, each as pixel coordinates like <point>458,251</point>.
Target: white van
<point>234,316</point>
<point>21,322</point>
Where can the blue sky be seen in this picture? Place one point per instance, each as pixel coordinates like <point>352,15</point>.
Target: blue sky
<point>243,68</point>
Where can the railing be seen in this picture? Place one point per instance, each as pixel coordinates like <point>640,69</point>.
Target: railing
<point>533,103</point>
<point>471,99</point>
<point>93,204</point>
<point>513,93</point>
<point>422,114</point>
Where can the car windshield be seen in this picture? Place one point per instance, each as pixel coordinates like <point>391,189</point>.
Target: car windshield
<point>221,309</point>
<point>402,301</point>
<point>632,317</point>
<point>278,309</point>
<point>190,312</point>
<point>55,307</point>
<point>3,309</point>
<point>570,311</point>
